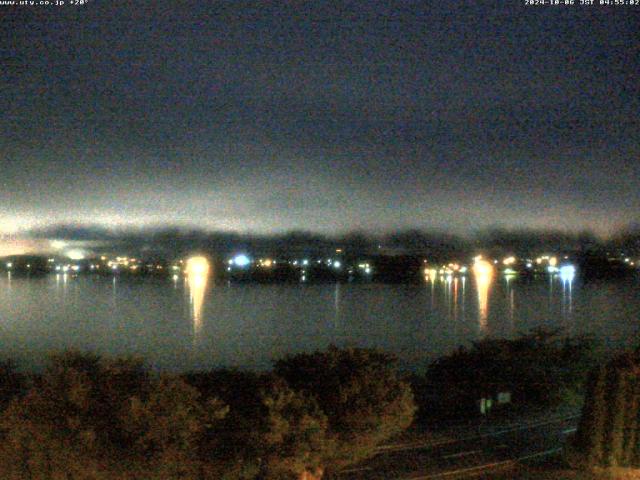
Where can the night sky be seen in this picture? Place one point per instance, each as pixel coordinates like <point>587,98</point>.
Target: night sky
<point>323,116</point>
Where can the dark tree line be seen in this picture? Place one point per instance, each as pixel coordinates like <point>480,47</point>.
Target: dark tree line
<point>437,245</point>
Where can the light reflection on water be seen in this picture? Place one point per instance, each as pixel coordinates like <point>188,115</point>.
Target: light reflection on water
<point>194,324</point>
<point>483,273</point>
<point>197,276</point>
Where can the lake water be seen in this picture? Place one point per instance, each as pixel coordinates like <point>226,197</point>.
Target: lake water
<point>187,324</point>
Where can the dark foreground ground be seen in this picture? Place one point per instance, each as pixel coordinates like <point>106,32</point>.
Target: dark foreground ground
<point>528,447</point>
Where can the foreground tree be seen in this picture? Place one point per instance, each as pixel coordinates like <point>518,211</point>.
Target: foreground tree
<point>86,418</point>
<point>608,434</point>
<point>271,431</point>
<point>292,434</point>
<point>360,391</point>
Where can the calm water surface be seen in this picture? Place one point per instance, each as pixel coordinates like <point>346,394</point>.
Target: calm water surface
<point>193,323</point>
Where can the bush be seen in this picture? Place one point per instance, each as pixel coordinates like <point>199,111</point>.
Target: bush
<point>271,431</point>
<point>540,368</point>
<point>89,418</point>
<point>360,392</point>
<point>292,433</point>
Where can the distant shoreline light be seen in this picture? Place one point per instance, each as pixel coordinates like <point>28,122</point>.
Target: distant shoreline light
<point>197,266</point>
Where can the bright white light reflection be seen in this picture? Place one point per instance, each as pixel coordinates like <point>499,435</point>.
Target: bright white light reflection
<point>197,277</point>
<point>483,272</point>
<point>197,266</point>
<point>567,272</point>
<point>241,260</point>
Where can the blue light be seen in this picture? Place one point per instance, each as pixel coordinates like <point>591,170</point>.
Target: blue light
<point>567,272</point>
<point>241,260</point>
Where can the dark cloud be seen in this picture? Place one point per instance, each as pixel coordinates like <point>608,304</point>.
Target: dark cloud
<point>328,116</point>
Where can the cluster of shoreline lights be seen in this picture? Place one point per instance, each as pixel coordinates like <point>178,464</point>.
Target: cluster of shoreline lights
<point>548,264</point>
<point>196,267</point>
<point>509,266</point>
<point>243,261</point>
<point>118,264</point>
